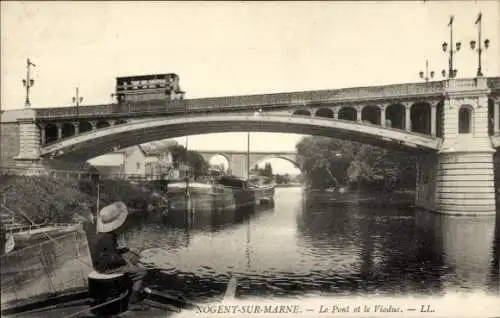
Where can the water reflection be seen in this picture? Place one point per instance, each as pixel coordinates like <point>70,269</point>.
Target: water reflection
<point>467,249</point>
<point>311,243</point>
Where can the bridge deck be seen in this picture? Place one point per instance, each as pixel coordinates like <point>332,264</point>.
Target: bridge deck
<point>330,96</point>
<point>342,96</point>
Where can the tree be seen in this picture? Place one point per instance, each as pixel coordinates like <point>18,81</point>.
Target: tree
<point>326,162</point>
<point>198,163</point>
<point>268,170</point>
<point>191,158</point>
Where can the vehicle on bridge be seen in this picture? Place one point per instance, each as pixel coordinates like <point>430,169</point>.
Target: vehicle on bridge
<point>148,87</point>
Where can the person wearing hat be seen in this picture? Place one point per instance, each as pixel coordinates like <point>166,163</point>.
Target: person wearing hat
<point>112,259</point>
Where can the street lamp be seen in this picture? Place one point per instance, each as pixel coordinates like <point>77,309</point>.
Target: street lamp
<point>452,73</point>
<point>28,83</point>
<point>77,100</point>
<point>479,42</point>
<point>427,74</point>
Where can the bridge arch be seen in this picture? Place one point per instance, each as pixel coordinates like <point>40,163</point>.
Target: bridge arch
<point>85,126</point>
<point>348,113</point>
<point>420,115</point>
<point>68,129</point>
<point>50,133</point>
<point>395,115</point>
<point>219,154</point>
<point>120,122</point>
<point>324,112</point>
<point>102,124</point>
<point>269,157</point>
<point>371,114</point>
<point>302,112</point>
<point>97,142</point>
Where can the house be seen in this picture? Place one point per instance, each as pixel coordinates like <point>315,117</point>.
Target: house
<point>148,160</point>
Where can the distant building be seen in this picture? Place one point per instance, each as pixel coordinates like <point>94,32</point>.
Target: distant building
<point>147,161</point>
<point>141,161</point>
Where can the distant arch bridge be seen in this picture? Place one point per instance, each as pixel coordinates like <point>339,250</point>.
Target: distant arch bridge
<point>237,160</point>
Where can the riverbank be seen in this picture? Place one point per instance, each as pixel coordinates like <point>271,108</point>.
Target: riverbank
<point>45,199</point>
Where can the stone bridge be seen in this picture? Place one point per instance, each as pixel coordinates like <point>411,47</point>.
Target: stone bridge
<point>449,124</point>
<point>238,163</point>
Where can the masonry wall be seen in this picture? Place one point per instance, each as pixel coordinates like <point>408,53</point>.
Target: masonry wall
<point>425,194</point>
<point>9,144</point>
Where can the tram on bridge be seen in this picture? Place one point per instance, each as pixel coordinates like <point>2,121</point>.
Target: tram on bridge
<point>148,87</point>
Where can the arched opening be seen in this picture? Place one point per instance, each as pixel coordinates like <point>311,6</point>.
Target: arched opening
<point>219,165</point>
<point>439,119</point>
<point>348,113</point>
<point>68,130</point>
<point>464,120</point>
<point>324,112</point>
<point>275,169</point>
<point>50,133</point>
<point>302,112</point>
<point>120,122</point>
<point>102,124</point>
<point>491,117</point>
<point>85,126</point>
<point>371,114</point>
<point>420,116</point>
<point>395,116</point>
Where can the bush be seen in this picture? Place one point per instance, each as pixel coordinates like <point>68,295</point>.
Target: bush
<point>59,200</point>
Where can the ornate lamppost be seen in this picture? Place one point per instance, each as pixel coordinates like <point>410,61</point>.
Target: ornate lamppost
<point>452,72</point>
<point>77,100</point>
<point>479,44</point>
<point>428,75</point>
<point>28,83</point>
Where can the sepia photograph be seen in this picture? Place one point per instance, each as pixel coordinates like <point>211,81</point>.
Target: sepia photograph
<point>250,159</point>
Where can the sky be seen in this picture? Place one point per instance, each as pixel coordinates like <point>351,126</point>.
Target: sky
<point>234,48</point>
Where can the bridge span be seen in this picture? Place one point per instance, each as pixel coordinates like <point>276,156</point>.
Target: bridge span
<point>450,125</point>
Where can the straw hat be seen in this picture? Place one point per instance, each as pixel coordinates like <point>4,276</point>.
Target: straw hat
<point>112,217</point>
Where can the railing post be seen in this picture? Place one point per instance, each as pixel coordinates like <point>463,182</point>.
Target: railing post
<point>407,116</point>
<point>382,115</point>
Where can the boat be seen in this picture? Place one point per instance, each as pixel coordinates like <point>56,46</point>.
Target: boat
<point>198,196</point>
<point>69,287</point>
<point>226,192</point>
<point>78,290</point>
<point>25,235</point>
<point>244,195</point>
<point>264,191</point>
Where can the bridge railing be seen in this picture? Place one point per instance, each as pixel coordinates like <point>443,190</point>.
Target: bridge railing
<point>265,101</point>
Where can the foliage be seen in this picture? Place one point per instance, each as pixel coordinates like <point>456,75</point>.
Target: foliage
<point>191,158</point>
<point>328,162</point>
<point>44,198</point>
<point>282,178</point>
<point>267,171</point>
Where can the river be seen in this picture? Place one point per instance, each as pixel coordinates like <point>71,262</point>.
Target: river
<point>318,246</point>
